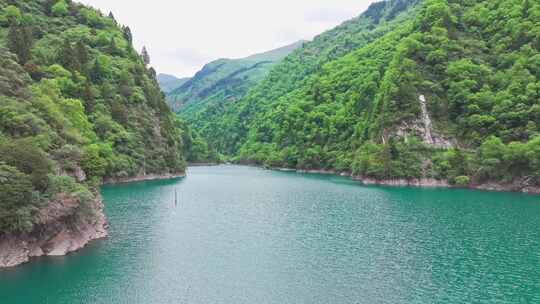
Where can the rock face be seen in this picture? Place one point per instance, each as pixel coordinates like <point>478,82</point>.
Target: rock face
<point>142,177</point>
<point>61,229</point>
<point>64,226</point>
<point>516,186</point>
<point>423,127</point>
<point>420,182</point>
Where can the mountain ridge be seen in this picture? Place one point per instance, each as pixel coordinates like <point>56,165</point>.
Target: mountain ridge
<point>168,82</point>
<point>227,78</point>
<point>408,90</point>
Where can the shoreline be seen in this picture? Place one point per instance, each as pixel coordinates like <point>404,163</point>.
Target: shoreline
<point>420,183</point>
<point>62,230</point>
<point>141,178</point>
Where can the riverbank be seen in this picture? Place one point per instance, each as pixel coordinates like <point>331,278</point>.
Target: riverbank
<point>518,186</point>
<point>141,178</point>
<point>203,164</point>
<point>63,227</point>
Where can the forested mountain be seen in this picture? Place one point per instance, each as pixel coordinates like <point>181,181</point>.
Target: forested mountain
<point>438,89</point>
<point>225,80</point>
<point>167,83</point>
<point>77,105</point>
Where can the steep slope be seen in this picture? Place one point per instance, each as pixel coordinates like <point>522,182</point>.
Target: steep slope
<point>167,83</point>
<point>226,125</point>
<point>446,90</point>
<point>77,107</point>
<point>226,79</point>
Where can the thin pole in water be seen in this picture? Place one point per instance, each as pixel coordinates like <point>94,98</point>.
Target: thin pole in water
<point>175,198</point>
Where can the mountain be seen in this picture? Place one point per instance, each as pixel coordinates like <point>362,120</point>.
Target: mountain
<point>408,91</point>
<point>226,79</point>
<point>167,83</point>
<point>78,107</point>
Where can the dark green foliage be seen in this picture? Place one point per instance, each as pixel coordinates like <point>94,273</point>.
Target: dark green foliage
<point>28,158</point>
<point>19,41</point>
<point>17,202</point>
<point>145,56</point>
<point>77,105</point>
<point>350,100</point>
<point>224,80</point>
<point>127,34</point>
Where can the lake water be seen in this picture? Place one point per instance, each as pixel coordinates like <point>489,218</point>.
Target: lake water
<point>247,235</point>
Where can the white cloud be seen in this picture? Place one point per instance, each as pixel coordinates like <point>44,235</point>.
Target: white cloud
<point>183,35</point>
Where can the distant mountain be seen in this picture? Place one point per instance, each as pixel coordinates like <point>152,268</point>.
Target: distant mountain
<point>169,82</point>
<point>226,79</point>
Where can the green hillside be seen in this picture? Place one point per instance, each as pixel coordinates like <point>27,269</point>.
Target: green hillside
<point>437,89</point>
<point>225,80</point>
<point>167,83</point>
<point>77,105</point>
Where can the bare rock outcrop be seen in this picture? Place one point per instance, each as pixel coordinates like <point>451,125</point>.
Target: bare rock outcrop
<point>423,128</point>
<point>61,229</point>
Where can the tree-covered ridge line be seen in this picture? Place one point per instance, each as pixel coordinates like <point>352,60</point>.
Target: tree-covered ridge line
<point>170,82</point>
<point>226,125</point>
<point>225,80</point>
<point>77,104</point>
<point>474,63</point>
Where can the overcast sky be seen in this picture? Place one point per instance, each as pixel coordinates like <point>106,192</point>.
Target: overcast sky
<point>181,36</point>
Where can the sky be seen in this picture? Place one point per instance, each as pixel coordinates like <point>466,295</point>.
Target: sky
<point>181,36</point>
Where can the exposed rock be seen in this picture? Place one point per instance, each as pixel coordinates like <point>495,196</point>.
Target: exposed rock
<point>317,171</point>
<point>420,182</point>
<point>423,128</point>
<point>142,177</point>
<point>524,185</point>
<point>61,229</point>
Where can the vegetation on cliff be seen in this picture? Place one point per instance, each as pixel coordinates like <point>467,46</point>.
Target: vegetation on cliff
<point>77,104</point>
<point>436,88</point>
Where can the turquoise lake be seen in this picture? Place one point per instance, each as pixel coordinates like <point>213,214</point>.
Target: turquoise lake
<point>248,235</point>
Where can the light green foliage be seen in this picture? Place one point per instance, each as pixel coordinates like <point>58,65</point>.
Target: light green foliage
<point>60,8</point>
<point>12,14</point>
<point>349,100</point>
<point>17,201</point>
<point>74,96</point>
<point>462,181</point>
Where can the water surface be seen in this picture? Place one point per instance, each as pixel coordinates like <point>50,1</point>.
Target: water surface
<point>246,235</point>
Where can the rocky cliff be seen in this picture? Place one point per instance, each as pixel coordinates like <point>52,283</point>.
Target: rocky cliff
<point>65,225</point>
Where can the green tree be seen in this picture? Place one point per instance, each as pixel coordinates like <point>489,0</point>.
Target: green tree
<point>145,56</point>
<point>17,202</point>
<point>28,158</point>
<point>19,41</point>
<point>60,8</point>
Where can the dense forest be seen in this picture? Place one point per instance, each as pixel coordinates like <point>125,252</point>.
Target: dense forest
<point>77,105</point>
<point>447,89</point>
<point>168,83</point>
<point>224,80</point>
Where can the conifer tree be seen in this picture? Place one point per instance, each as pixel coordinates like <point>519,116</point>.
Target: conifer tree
<point>82,53</point>
<point>95,72</point>
<point>113,49</point>
<point>127,34</point>
<point>145,56</point>
<point>20,40</point>
<point>88,97</point>
<point>112,17</point>
<point>67,56</point>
